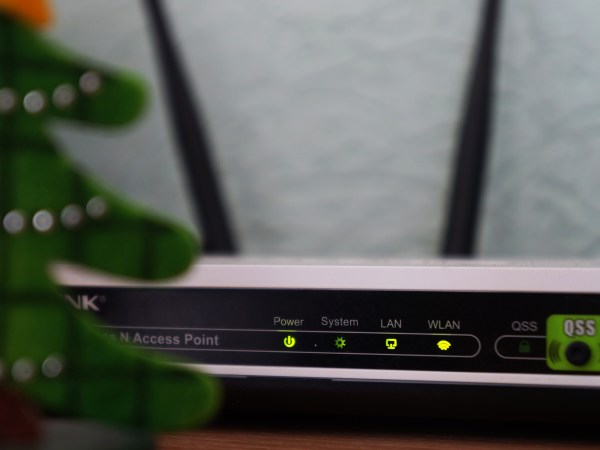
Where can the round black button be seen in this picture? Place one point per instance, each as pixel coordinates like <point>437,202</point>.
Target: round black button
<point>578,353</point>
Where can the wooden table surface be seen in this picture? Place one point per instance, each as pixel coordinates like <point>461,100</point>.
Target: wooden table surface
<point>405,435</point>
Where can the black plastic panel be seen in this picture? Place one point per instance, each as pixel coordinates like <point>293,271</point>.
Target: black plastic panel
<point>486,332</point>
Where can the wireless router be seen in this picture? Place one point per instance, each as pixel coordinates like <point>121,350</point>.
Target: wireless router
<point>421,339</point>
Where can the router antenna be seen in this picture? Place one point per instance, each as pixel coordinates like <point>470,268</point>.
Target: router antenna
<point>192,139</point>
<point>473,141</point>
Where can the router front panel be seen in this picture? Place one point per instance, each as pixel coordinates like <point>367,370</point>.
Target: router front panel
<point>421,331</point>
<point>437,337</point>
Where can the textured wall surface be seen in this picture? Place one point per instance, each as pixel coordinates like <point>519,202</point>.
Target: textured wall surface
<point>543,192</point>
<point>333,121</point>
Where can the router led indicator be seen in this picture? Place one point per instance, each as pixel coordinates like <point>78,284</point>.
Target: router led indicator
<point>444,345</point>
<point>340,343</point>
<point>289,341</point>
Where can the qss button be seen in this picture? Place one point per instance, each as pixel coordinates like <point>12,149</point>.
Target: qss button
<point>578,353</point>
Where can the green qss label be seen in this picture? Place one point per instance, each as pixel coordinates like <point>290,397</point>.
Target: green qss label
<point>572,343</point>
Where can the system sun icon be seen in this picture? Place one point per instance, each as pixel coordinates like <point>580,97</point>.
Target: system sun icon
<point>340,342</point>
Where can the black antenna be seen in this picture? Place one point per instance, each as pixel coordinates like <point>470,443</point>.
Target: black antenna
<point>192,139</point>
<point>473,141</point>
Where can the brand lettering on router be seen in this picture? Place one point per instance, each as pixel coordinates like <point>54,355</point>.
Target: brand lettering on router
<point>444,324</point>
<point>84,302</point>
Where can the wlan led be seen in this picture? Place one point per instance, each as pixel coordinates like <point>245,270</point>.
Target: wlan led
<point>444,345</point>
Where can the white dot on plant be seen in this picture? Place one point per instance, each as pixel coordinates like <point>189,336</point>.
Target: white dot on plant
<point>43,221</point>
<point>34,102</point>
<point>90,82</point>
<point>71,216</point>
<point>23,370</point>
<point>14,222</point>
<point>52,367</point>
<point>64,96</point>
<point>96,208</point>
<point>8,100</point>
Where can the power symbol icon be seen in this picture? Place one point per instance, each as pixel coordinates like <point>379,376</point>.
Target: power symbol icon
<point>289,341</point>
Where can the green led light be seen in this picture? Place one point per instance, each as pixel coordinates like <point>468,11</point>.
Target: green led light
<point>289,341</point>
<point>444,345</point>
<point>340,342</point>
<point>391,343</point>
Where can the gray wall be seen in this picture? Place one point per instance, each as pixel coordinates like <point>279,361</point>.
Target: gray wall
<point>543,193</point>
<point>334,121</point>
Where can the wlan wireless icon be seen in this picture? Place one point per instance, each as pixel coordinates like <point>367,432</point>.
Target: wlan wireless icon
<point>444,345</point>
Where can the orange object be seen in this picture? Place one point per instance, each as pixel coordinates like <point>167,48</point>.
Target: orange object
<point>33,12</point>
